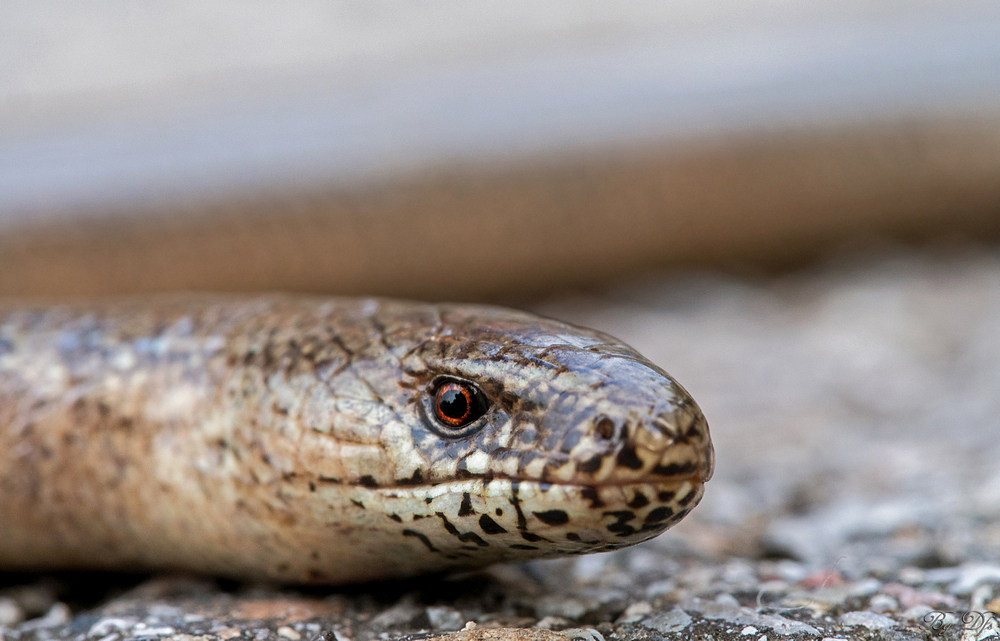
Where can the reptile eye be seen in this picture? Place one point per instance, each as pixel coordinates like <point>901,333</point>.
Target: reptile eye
<point>457,404</point>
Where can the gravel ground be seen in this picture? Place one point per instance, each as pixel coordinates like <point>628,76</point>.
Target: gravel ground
<point>856,414</point>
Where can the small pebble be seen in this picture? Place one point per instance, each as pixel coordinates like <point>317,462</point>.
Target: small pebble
<point>865,587</point>
<point>585,634</point>
<point>404,613</point>
<point>10,612</point>
<point>972,574</point>
<point>748,630</point>
<point>911,575</point>
<point>659,588</point>
<point>445,618</point>
<point>669,622</point>
<point>58,614</point>
<point>560,606</point>
<point>883,603</point>
<point>590,568</point>
<point>869,620</point>
<point>791,571</point>
<point>636,612</point>
<point>553,623</point>
<point>289,633</point>
<point>980,597</point>
<point>917,612</point>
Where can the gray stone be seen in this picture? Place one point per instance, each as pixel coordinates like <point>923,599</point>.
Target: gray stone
<point>782,625</point>
<point>553,623</point>
<point>673,621</point>
<point>561,606</point>
<point>57,615</point>
<point>404,614</point>
<point>445,618</point>
<point>883,603</point>
<point>748,616</point>
<point>10,612</point>
<point>917,612</point>
<point>864,587</point>
<point>724,599</point>
<point>971,575</point>
<point>870,620</point>
<point>636,612</point>
<point>583,634</point>
<point>659,588</point>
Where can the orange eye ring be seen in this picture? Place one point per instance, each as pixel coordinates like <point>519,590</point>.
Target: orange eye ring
<point>457,404</point>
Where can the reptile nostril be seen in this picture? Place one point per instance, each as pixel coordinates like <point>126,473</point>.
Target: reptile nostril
<point>605,428</point>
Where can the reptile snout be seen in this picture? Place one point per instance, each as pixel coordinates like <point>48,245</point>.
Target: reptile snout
<point>650,432</point>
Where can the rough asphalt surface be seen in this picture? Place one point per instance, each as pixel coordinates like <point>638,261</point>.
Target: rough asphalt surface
<point>856,415</point>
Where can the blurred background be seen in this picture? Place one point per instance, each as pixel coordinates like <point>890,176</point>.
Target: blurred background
<point>791,205</point>
<point>450,151</point>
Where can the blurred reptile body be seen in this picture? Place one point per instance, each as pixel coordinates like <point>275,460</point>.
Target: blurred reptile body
<point>309,439</point>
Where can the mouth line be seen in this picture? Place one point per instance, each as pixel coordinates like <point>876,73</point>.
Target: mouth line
<point>696,479</point>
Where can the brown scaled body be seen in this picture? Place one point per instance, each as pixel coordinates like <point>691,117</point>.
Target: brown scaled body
<point>295,438</point>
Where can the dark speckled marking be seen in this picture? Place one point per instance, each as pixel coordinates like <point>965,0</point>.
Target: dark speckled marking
<point>463,537</point>
<point>639,500</point>
<point>490,526</point>
<point>423,539</point>
<point>590,493</point>
<point>522,522</point>
<point>367,481</point>
<point>416,479</point>
<point>628,458</point>
<point>591,465</point>
<point>659,514</point>
<point>620,526</point>
<point>531,537</point>
<point>358,503</point>
<point>518,546</point>
<point>674,469</point>
<point>552,517</point>
<point>687,498</point>
<point>665,496</point>
<point>397,518</point>
<point>572,536</point>
<point>466,508</point>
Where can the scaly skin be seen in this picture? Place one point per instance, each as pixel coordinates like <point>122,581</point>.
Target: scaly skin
<point>290,438</point>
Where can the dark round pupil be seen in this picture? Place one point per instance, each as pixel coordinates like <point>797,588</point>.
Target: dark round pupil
<point>454,403</point>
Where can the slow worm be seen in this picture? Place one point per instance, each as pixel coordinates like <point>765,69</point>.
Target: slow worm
<point>325,440</point>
